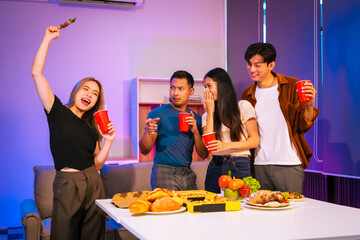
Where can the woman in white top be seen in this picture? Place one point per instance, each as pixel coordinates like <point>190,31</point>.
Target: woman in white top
<point>235,128</point>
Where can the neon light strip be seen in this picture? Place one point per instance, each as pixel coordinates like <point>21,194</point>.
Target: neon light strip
<point>264,21</point>
<point>316,70</point>
<point>225,34</point>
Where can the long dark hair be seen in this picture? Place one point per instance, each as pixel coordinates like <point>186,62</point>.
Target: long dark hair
<point>99,105</point>
<point>226,107</point>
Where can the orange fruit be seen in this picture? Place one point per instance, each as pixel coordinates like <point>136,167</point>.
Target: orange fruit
<point>236,183</point>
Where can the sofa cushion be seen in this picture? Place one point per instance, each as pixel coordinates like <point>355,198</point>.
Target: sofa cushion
<point>43,189</point>
<point>126,178</point>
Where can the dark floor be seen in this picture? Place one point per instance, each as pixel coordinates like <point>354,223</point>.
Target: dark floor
<point>15,233</point>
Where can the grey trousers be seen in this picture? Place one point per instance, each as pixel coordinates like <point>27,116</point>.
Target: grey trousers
<point>280,177</point>
<point>75,214</point>
<point>172,178</point>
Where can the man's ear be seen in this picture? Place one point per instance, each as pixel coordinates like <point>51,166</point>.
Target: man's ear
<point>272,65</point>
<point>192,91</point>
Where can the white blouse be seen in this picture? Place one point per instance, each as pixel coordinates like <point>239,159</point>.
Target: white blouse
<point>247,112</point>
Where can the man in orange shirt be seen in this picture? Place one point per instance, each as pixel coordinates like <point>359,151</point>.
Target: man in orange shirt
<point>283,153</point>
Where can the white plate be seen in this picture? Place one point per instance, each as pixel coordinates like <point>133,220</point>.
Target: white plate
<point>182,209</point>
<point>268,208</point>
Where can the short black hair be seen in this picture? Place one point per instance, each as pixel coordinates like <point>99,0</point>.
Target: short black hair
<point>266,50</point>
<point>183,74</point>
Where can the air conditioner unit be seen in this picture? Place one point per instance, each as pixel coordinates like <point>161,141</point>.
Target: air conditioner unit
<point>106,3</point>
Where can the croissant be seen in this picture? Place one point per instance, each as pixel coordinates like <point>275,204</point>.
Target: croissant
<point>165,204</point>
<point>157,194</point>
<point>139,206</point>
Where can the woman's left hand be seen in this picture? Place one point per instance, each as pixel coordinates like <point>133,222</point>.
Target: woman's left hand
<point>217,146</point>
<point>110,136</point>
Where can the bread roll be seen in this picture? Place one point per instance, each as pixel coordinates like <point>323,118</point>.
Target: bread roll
<point>165,204</point>
<point>139,206</point>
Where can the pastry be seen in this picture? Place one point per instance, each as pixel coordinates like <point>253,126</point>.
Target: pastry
<point>157,194</point>
<point>165,204</point>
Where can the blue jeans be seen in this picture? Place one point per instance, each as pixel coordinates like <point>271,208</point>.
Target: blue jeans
<point>220,165</point>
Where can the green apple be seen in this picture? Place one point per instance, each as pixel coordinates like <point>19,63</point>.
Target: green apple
<point>232,194</point>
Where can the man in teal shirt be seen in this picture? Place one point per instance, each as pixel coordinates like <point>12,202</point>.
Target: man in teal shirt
<point>173,157</point>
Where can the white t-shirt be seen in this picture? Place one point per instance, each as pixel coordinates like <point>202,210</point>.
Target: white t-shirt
<point>247,111</point>
<point>275,145</point>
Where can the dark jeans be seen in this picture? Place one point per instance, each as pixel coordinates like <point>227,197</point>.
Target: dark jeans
<point>220,165</point>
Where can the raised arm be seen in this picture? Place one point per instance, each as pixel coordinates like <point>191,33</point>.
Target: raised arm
<point>42,86</point>
<point>148,139</point>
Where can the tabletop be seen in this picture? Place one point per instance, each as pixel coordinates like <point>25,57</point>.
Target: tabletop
<point>311,219</point>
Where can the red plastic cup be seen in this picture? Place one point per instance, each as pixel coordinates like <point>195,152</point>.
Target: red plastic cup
<point>102,119</point>
<point>209,137</point>
<point>184,126</point>
<point>302,96</point>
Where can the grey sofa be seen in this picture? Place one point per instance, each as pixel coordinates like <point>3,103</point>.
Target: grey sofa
<point>36,213</point>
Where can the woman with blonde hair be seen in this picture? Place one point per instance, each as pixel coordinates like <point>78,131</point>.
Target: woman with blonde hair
<point>235,127</point>
<point>75,142</point>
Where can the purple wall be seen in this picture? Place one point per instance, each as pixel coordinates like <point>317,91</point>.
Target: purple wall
<point>113,45</point>
<point>244,27</point>
<point>341,107</point>
<point>295,35</point>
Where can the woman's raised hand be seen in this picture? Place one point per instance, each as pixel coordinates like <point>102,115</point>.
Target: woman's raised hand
<point>52,32</point>
<point>209,103</point>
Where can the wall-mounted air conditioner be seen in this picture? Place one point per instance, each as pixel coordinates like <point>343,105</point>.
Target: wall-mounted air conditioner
<point>106,3</point>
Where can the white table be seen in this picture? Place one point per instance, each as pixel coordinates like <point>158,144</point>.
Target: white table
<point>311,219</point>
